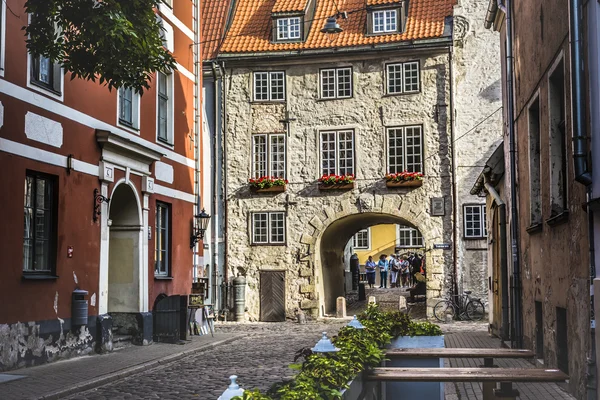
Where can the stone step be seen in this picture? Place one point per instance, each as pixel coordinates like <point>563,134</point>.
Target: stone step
<point>121,341</point>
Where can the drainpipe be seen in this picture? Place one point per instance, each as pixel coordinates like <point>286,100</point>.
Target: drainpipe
<point>197,185</point>
<point>514,216</point>
<point>490,16</point>
<point>215,185</point>
<point>454,198</point>
<point>224,169</point>
<point>582,174</point>
<point>503,257</point>
<point>592,376</point>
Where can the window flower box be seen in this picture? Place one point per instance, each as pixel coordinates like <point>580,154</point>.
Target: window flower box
<point>336,182</point>
<point>268,184</point>
<point>404,179</point>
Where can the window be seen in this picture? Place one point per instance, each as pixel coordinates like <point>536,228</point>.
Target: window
<point>385,21</point>
<point>408,237</point>
<point>162,240</point>
<point>558,157</point>
<point>362,239</point>
<point>268,155</point>
<point>288,28</point>
<point>40,212</point>
<point>337,152</point>
<point>128,108</point>
<point>535,195</point>
<point>165,108</point>
<point>475,221</point>
<point>403,78</point>
<point>268,228</point>
<point>46,74</point>
<point>269,86</point>
<point>405,150</point>
<point>336,83</point>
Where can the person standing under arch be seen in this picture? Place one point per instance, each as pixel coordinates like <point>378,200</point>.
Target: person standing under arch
<point>383,265</point>
<point>370,268</point>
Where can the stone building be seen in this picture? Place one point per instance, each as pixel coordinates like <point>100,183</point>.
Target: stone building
<point>378,96</point>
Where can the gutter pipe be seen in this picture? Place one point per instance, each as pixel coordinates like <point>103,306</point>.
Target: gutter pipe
<point>580,160</point>
<point>504,332</point>
<point>223,107</point>
<point>490,16</point>
<point>215,184</point>
<point>514,216</point>
<point>454,197</point>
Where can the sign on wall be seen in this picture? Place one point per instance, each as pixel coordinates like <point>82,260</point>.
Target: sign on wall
<point>437,206</point>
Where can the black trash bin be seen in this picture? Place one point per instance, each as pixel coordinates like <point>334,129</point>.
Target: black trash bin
<point>79,308</point>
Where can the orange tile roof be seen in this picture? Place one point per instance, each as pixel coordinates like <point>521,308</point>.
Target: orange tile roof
<point>289,5</point>
<point>213,19</point>
<point>381,2</point>
<point>251,27</point>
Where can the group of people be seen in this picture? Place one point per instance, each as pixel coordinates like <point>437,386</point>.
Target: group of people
<point>402,270</point>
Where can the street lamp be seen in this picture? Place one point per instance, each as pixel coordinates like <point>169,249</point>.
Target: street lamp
<point>331,26</point>
<point>324,345</point>
<point>355,323</point>
<point>202,220</point>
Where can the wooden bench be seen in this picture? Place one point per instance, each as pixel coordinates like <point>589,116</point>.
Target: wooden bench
<point>485,374</point>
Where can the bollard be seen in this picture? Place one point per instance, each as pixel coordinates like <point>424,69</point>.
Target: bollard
<point>340,307</point>
<point>362,294</point>
<point>402,304</point>
<point>355,269</point>
<point>239,289</point>
<point>301,317</point>
<point>372,300</point>
<point>232,391</point>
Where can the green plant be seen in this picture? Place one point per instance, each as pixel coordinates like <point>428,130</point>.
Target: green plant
<point>267,182</point>
<point>424,328</point>
<point>333,179</point>
<point>404,176</point>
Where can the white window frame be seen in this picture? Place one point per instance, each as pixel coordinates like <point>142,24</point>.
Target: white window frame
<point>387,21</point>
<point>269,75</point>
<point>283,28</point>
<point>482,228</point>
<point>337,151</point>
<point>3,37</point>
<point>268,161</point>
<point>415,237</point>
<point>356,239</point>
<point>135,112</point>
<point>336,77</point>
<point>403,71</point>
<point>169,141</point>
<point>404,166</point>
<point>269,232</point>
<point>167,245</point>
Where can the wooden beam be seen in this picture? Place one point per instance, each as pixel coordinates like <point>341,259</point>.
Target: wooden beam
<point>458,353</point>
<point>467,375</point>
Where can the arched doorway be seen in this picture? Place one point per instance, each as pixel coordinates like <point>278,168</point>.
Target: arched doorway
<point>124,255</point>
<point>334,241</point>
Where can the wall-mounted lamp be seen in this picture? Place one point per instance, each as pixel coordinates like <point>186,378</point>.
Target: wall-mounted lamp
<point>98,200</point>
<point>202,220</point>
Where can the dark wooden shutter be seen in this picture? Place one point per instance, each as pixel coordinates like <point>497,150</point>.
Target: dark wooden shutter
<point>56,77</point>
<point>272,296</point>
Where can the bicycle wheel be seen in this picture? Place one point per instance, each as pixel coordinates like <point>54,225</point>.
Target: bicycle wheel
<point>475,310</point>
<point>442,309</point>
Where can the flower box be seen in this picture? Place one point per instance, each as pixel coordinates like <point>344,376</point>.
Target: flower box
<point>337,186</point>
<point>401,184</point>
<point>272,189</point>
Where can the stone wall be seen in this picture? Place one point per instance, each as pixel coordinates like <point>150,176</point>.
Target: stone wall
<point>315,212</point>
<point>478,127</point>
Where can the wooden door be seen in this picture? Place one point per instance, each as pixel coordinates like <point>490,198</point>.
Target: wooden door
<point>496,274</point>
<point>167,318</point>
<point>272,296</point>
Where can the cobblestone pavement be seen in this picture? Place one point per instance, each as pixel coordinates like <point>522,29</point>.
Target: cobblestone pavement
<point>259,359</point>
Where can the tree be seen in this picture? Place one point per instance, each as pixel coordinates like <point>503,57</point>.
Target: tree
<point>117,42</point>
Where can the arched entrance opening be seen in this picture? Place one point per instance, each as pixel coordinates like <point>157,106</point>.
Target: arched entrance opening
<point>333,245</point>
<point>124,256</point>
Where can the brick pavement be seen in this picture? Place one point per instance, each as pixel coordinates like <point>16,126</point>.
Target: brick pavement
<point>56,380</point>
<point>474,335</point>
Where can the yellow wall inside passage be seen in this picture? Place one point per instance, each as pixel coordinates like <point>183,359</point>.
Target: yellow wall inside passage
<point>383,241</point>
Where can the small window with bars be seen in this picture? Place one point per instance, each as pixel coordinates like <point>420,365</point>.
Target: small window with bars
<point>336,83</point>
<point>362,240</point>
<point>403,78</point>
<point>268,228</point>
<point>269,86</point>
<point>405,149</point>
<point>268,155</point>
<point>337,152</point>
<point>475,223</point>
<point>408,237</point>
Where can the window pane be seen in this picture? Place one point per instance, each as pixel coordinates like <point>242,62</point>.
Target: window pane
<point>413,149</point>
<point>277,86</point>
<point>473,221</point>
<point>259,156</point>
<point>162,84</point>
<point>126,105</point>
<point>282,28</point>
<point>346,153</point>
<point>328,153</point>
<point>259,228</point>
<point>344,81</point>
<point>390,21</point>
<point>277,156</point>
<point>328,83</point>
<point>277,227</point>
<point>45,75</point>
<point>38,215</point>
<point>294,27</point>
<point>411,77</point>
<point>394,72</point>
<point>261,86</point>
<point>378,21</point>
<point>161,254</point>
<point>361,239</point>
<point>396,151</point>
<point>162,118</point>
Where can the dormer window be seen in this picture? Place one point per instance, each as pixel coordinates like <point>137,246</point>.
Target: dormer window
<point>288,28</point>
<point>385,21</point>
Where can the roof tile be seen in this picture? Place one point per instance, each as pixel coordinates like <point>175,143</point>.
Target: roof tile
<point>214,18</point>
<point>289,5</point>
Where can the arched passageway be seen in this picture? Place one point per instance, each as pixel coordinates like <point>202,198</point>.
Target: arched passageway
<point>332,245</point>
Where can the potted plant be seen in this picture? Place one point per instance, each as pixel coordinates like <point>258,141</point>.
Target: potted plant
<point>336,182</point>
<point>266,184</point>
<point>404,179</point>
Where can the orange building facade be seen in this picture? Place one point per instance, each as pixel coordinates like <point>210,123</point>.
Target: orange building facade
<point>108,184</point>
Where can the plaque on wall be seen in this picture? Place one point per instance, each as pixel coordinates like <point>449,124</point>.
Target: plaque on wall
<point>437,206</point>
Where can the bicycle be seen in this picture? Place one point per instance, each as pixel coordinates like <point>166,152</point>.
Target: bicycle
<point>466,308</point>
